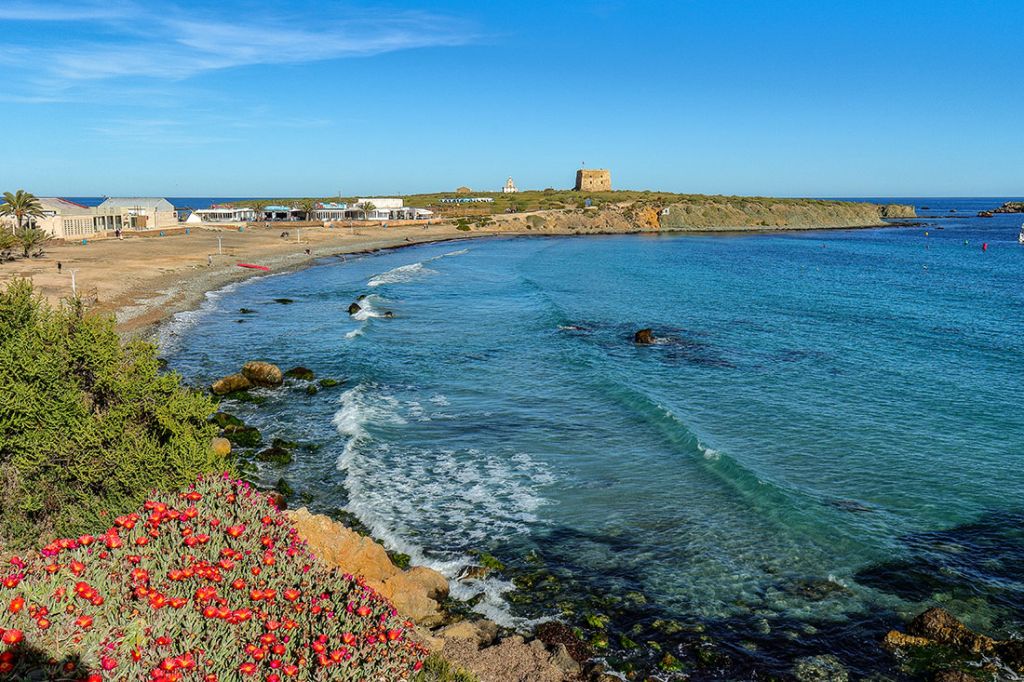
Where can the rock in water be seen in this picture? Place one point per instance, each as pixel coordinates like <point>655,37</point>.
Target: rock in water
<point>263,373</point>
<point>825,668</point>
<point>354,308</point>
<point>221,447</point>
<point>644,337</point>
<point>230,384</point>
<point>302,373</point>
<point>943,627</point>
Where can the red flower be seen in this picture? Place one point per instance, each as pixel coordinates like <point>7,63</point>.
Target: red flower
<point>17,604</point>
<point>12,637</point>
<point>84,622</point>
<point>107,663</point>
<point>235,531</point>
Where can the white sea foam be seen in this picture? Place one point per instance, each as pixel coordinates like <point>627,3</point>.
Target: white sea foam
<point>409,495</point>
<point>170,333</point>
<point>403,273</point>
<point>406,273</point>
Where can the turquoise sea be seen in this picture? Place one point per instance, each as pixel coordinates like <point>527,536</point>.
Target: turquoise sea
<point>826,438</point>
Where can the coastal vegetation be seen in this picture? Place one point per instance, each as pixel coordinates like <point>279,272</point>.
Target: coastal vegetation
<point>87,424</point>
<point>19,209</point>
<point>22,206</point>
<point>211,583</point>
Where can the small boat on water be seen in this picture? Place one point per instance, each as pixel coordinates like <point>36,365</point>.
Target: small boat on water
<point>1020,236</point>
<point>254,267</point>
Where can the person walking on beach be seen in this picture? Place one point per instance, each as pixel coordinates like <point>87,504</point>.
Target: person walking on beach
<point>59,267</point>
<point>209,260</point>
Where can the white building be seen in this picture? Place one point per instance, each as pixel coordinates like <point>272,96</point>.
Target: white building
<point>227,214</point>
<point>510,187</point>
<point>330,210</point>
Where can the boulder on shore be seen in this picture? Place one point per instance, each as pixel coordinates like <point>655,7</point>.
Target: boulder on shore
<point>644,337</point>
<point>230,384</point>
<point>263,373</point>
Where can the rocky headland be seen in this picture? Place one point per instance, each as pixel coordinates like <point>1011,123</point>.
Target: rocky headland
<point>703,214</point>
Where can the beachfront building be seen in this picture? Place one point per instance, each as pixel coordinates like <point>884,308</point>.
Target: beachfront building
<point>66,219</point>
<point>222,214</point>
<point>281,213</point>
<point>141,213</point>
<point>510,187</point>
<point>328,211</point>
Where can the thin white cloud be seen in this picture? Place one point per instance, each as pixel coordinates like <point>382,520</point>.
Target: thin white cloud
<point>55,12</point>
<point>169,44</point>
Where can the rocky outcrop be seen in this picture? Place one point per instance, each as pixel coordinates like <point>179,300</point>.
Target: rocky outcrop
<point>263,373</point>
<point>1010,207</point>
<point>513,659</point>
<point>644,337</point>
<point>897,211</point>
<point>416,593</point>
<point>943,627</point>
<point>702,213</point>
<point>354,308</point>
<point>953,645</point>
<point>230,384</point>
<point>717,213</point>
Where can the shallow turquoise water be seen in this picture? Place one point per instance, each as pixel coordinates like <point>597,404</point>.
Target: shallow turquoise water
<point>826,436</point>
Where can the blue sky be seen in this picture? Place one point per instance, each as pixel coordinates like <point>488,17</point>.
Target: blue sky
<point>778,97</point>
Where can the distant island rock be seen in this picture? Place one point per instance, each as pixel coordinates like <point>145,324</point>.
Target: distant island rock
<point>1010,207</point>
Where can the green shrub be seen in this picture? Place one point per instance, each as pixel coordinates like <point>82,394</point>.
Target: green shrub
<point>87,424</point>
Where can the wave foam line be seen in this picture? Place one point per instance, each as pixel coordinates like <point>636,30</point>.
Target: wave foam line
<point>465,498</point>
<point>406,273</point>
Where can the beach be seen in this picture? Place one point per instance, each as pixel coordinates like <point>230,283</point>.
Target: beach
<point>144,280</point>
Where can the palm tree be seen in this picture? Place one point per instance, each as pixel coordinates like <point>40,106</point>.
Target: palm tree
<point>307,206</point>
<point>258,207</point>
<point>21,205</point>
<point>366,207</point>
<point>31,237</point>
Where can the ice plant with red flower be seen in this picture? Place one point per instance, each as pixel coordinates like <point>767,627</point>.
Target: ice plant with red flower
<point>181,591</point>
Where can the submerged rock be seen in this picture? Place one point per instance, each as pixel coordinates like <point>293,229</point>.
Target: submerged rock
<point>825,668</point>
<point>263,373</point>
<point>245,436</point>
<point>301,373</point>
<point>644,337</point>
<point>231,384</point>
<point>275,455</point>
<point>225,419</point>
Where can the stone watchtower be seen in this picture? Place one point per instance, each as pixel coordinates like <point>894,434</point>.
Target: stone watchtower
<point>593,180</point>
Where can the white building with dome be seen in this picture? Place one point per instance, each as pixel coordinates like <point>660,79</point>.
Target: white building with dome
<point>510,187</point>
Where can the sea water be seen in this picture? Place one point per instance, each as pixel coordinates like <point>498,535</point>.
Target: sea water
<point>825,438</point>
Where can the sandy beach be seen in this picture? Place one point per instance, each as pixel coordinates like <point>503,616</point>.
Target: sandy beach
<point>143,280</point>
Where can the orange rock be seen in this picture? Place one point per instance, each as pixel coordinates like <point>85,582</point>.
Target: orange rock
<point>416,593</point>
<point>895,639</point>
